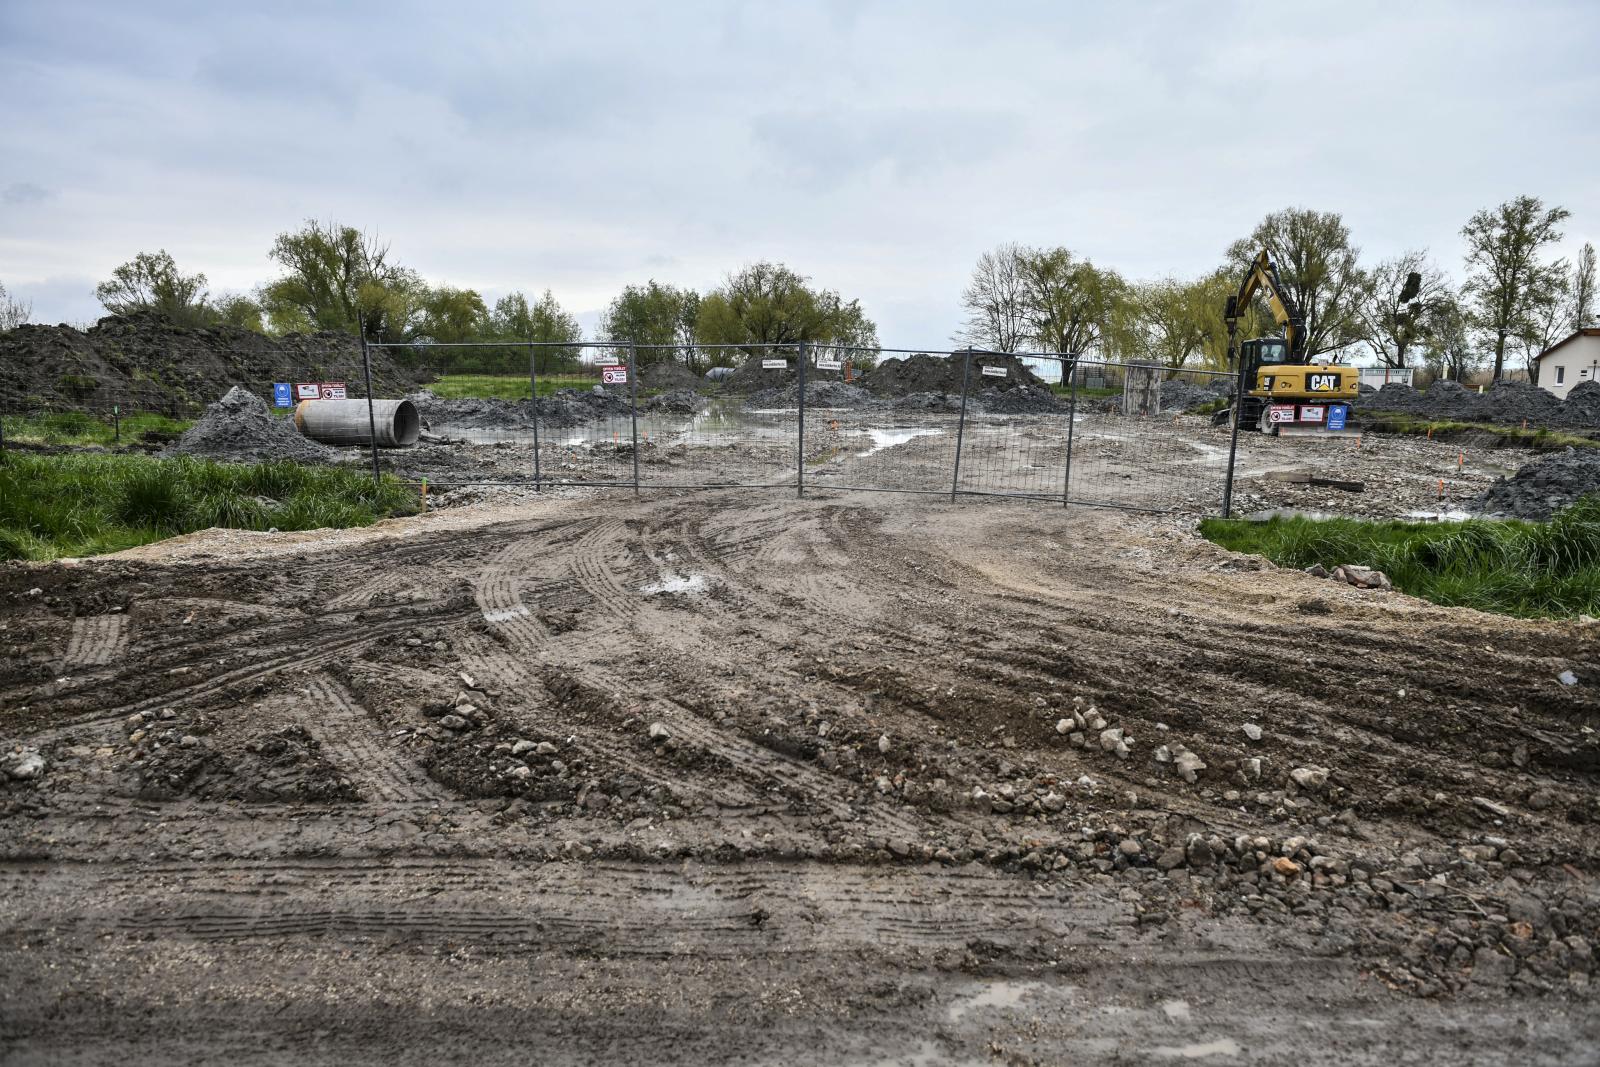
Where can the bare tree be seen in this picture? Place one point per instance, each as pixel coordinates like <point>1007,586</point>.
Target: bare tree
<point>1583,303</point>
<point>13,312</point>
<point>1545,322</point>
<point>1505,274</point>
<point>1393,317</point>
<point>996,301</point>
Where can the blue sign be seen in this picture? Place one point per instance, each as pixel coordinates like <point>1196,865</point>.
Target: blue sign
<point>282,395</point>
<point>1337,413</point>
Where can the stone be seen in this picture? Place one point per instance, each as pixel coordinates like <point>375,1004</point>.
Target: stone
<point>1170,858</point>
<point>1362,577</point>
<point>1129,846</point>
<point>1252,767</point>
<point>1567,678</point>
<point>1109,739</point>
<point>1163,754</point>
<point>1285,866</point>
<point>1122,750</point>
<point>1064,726</point>
<point>659,731</point>
<point>545,748</point>
<point>522,747</point>
<point>453,722</point>
<point>1317,570</point>
<point>27,765</point>
<point>520,771</point>
<point>1309,778</point>
<point>1499,810</point>
<point>1200,853</point>
<point>1189,765</point>
<point>883,743</point>
<point>1252,731</point>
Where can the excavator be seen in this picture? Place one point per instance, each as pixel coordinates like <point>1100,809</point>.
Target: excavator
<point>1287,393</point>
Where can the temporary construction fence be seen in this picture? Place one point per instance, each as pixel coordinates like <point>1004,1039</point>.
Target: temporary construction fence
<point>807,417</point>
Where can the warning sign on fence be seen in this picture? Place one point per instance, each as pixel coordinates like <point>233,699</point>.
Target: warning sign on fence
<point>282,395</point>
<point>307,390</point>
<point>333,391</point>
<point>614,374</point>
<point>994,372</point>
<point>774,364</point>
<point>829,363</point>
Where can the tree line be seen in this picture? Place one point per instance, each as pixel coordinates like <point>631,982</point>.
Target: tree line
<point>335,277</point>
<point>1514,299</point>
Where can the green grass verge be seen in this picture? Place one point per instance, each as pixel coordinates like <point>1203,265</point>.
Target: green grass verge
<point>1527,569</point>
<point>505,386</point>
<point>79,505</point>
<point>78,428</point>
<point>1532,437</point>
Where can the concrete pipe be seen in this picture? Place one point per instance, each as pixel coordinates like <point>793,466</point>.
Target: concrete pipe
<point>345,422</point>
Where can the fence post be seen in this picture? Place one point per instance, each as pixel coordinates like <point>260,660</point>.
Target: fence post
<point>1072,421</point>
<point>533,387</point>
<point>961,424</point>
<point>800,447</point>
<point>372,418</point>
<point>633,408</point>
<point>1238,403</point>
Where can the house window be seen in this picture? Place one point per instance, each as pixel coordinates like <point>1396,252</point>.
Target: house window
<point>1561,375</point>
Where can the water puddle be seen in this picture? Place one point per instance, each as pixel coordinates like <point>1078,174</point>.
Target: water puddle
<point>1001,994</point>
<point>680,585</point>
<point>882,439</point>
<point>1446,515</point>
<point>505,615</point>
<point>1222,1046</point>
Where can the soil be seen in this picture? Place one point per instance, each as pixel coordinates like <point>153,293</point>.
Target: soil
<point>241,428</point>
<point>1544,486</point>
<point>1506,402</point>
<point>923,373</point>
<point>669,376</point>
<point>145,363</point>
<point>740,777</point>
<point>563,408</point>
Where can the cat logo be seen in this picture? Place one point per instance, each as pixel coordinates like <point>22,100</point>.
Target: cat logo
<point>1322,383</point>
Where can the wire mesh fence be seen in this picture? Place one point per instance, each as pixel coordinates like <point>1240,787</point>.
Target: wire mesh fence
<point>1041,426</point>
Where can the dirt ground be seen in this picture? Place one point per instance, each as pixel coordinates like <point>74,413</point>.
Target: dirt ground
<point>744,778</point>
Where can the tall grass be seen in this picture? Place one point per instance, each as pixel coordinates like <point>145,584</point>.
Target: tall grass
<point>505,386</point>
<point>1528,569</point>
<point>75,505</point>
<point>78,428</point>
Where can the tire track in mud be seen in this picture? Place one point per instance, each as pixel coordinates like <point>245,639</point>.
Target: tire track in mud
<point>354,742</point>
<point>96,640</point>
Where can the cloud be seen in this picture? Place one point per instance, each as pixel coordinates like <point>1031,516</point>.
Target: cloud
<point>24,193</point>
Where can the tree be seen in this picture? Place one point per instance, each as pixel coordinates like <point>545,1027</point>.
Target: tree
<point>1545,321</point>
<point>1584,300</point>
<point>1447,341</point>
<point>515,319</point>
<point>1067,303</point>
<point>995,301</point>
<point>1317,265</point>
<point>654,315</point>
<point>768,304</point>
<point>235,309</point>
<point>152,282</point>
<point>1158,322</point>
<point>13,312</point>
<point>1390,325</point>
<point>451,316</point>
<point>1505,273</point>
<point>338,278</point>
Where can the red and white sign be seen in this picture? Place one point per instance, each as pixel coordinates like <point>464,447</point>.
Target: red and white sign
<point>1312,413</point>
<point>614,374</point>
<point>307,390</point>
<point>1280,413</point>
<point>333,391</point>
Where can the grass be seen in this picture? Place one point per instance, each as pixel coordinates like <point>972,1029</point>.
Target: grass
<point>505,386</point>
<point>1532,437</point>
<point>78,505</point>
<point>1526,569</point>
<point>78,428</point>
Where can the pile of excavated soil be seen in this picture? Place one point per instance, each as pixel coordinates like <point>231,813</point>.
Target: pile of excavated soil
<point>1545,486</point>
<point>241,427</point>
<point>677,402</point>
<point>824,394</point>
<point>751,377</point>
<point>668,376</point>
<point>1179,395</point>
<point>923,373</point>
<point>1024,398</point>
<point>1506,402</point>
<point>145,363</point>
<point>565,407</point>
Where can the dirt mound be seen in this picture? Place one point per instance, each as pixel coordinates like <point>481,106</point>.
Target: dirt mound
<point>1021,399</point>
<point>144,362</point>
<point>1178,395</point>
<point>824,394</point>
<point>935,402</point>
<point>1505,402</point>
<point>924,373</point>
<point>677,402</point>
<point>668,376</point>
<point>752,377</point>
<point>565,407</point>
<point>241,427</point>
<point>1545,486</point>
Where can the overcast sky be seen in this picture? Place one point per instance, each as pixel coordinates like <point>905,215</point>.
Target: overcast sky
<point>876,147</point>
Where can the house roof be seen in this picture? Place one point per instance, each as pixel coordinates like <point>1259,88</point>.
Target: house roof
<point>1587,331</point>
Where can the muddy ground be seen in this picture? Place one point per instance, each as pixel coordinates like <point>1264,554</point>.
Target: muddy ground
<point>728,777</point>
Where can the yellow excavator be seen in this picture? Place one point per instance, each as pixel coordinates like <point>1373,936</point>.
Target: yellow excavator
<point>1282,390</point>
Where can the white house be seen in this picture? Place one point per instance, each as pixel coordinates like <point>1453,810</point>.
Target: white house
<point>1566,363</point>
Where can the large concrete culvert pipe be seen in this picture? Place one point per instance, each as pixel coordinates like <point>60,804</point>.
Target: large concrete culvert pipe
<point>345,422</point>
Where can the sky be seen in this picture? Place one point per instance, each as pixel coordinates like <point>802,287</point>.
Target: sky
<point>877,148</point>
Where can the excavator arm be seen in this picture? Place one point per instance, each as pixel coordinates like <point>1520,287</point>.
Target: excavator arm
<point>1263,277</point>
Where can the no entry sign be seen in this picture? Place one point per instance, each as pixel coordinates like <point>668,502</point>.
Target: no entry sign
<point>614,374</point>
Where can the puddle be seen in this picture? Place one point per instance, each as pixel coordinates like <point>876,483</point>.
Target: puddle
<point>999,994</point>
<point>505,615</point>
<point>1447,515</point>
<point>685,585</point>
<point>882,439</point>
<point>1222,1046</point>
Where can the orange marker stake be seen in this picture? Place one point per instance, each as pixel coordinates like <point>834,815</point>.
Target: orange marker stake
<point>1430,433</point>
<point>1441,488</point>
<point>424,496</point>
<point>1462,462</point>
